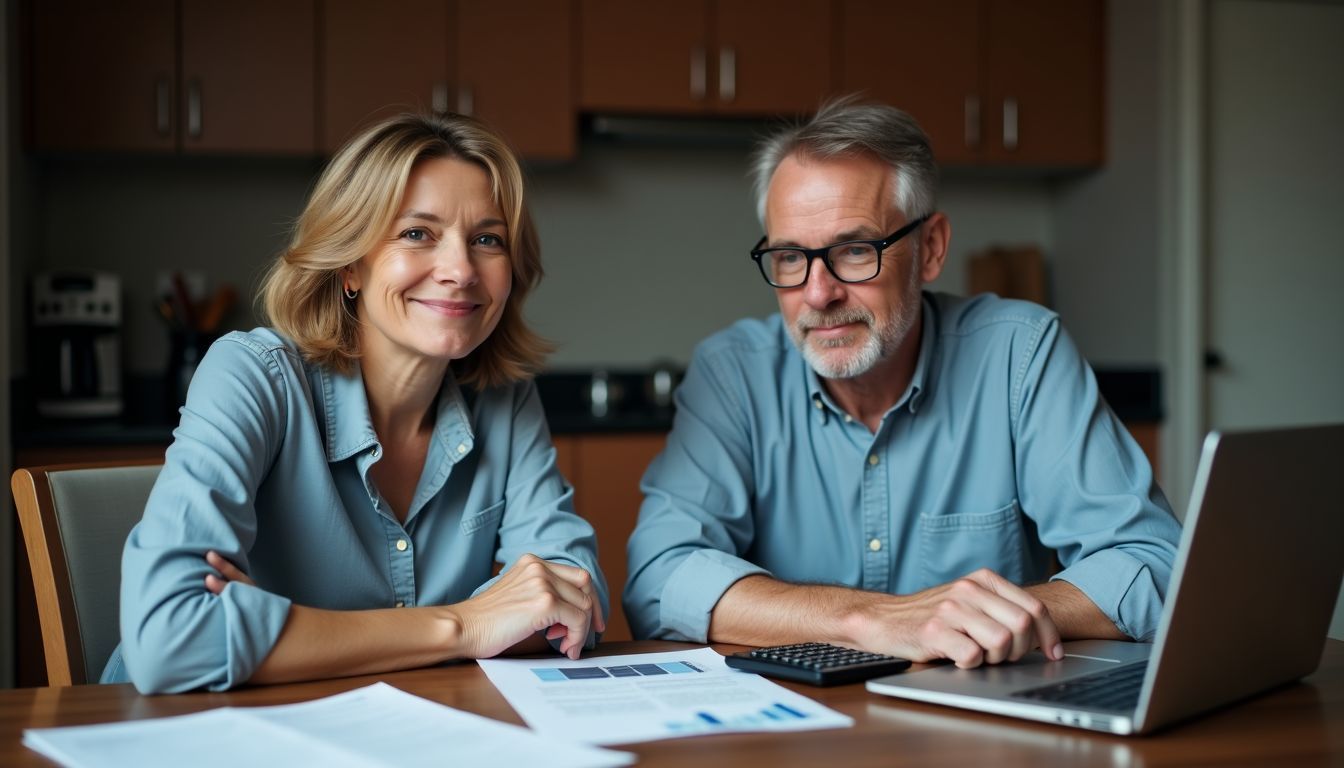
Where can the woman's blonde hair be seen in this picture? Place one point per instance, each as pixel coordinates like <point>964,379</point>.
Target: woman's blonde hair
<point>351,210</point>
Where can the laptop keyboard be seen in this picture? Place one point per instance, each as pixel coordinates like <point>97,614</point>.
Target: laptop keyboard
<point>1114,689</point>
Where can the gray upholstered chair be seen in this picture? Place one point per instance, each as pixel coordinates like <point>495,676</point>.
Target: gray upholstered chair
<point>75,520</point>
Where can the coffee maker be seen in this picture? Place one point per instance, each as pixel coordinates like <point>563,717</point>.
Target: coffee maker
<point>75,347</point>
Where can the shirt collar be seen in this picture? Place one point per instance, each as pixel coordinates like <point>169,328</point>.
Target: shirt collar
<point>349,425</point>
<point>821,400</point>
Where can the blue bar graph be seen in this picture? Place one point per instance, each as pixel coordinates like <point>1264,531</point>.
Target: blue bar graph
<point>561,674</point>
<point>776,713</point>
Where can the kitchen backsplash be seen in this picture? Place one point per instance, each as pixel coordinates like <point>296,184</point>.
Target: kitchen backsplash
<point>645,248</point>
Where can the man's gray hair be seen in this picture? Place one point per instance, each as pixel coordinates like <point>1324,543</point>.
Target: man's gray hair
<point>845,128</point>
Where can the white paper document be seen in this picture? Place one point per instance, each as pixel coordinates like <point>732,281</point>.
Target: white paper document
<point>377,725</point>
<point>647,696</point>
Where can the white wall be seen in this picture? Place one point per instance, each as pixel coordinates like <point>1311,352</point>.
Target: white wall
<point>646,250</point>
<point>1106,224</point>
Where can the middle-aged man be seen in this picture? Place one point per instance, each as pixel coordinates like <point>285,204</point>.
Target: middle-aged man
<point>884,468</point>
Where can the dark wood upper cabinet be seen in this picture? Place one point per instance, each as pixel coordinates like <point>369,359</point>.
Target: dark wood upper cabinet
<point>1044,83</point>
<point>508,62</point>
<point>733,57</point>
<point>103,75</point>
<point>993,82</point>
<point>249,81</point>
<point>772,56</point>
<point>239,77</point>
<point>923,58</point>
<point>515,71</point>
<point>380,59</point>
<point>644,56</point>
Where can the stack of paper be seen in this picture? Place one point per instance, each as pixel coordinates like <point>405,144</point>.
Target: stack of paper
<point>374,726</point>
<point>646,696</point>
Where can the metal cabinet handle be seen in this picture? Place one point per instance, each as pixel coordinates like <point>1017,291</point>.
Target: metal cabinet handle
<point>466,102</point>
<point>698,87</point>
<point>438,98</point>
<point>727,73</point>
<point>1010,123</point>
<point>972,112</point>
<point>163,107</point>
<point>194,109</point>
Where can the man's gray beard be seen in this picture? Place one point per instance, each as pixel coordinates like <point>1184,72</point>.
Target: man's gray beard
<point>878,343</point>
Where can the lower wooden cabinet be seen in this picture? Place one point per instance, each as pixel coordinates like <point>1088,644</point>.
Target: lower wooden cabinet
<point>605,470</point>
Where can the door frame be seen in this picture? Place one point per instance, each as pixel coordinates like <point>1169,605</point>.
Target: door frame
<point>1182,281</point>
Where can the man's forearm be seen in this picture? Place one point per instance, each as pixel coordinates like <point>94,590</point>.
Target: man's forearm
<point>1076,616</point>
<point>759,610</point>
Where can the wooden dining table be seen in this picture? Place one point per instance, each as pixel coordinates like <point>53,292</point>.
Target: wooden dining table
<point>1299,724</point>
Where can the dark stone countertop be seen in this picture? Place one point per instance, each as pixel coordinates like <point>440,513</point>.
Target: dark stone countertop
<point>1133,393</point>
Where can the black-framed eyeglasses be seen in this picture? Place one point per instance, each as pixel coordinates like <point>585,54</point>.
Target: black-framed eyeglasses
<point>853,261</point>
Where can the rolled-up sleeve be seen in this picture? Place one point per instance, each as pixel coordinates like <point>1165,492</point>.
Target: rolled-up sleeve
<point>696,521</point>
<point>1090,489</point>
<point>539,516</point>
<point>176,635</point>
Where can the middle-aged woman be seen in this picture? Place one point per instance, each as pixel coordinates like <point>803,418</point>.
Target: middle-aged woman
<point>340,485</point>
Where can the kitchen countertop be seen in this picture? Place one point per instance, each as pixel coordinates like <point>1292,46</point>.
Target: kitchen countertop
<point>1133,393</point>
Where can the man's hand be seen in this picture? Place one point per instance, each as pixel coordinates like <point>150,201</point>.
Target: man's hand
<point>981,618</point>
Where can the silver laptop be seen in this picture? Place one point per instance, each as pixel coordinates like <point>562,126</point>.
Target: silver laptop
<point>1250,601</point>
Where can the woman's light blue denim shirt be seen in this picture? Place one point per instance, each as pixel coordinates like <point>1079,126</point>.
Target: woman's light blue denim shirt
<point>270,467</point>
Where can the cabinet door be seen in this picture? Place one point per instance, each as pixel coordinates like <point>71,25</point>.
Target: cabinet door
<point>772,56</point>
<point>1043,83</point>
<point>647,56</point>
<point>381,59</point>
<point>922,57</point>
<point>248,76</point>
<point>607,469</point>
<point>515,65</point>
<point>102,74</point>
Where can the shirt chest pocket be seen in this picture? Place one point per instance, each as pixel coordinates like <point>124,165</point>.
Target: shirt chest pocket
<point>486,519</point>
<point>952,546</point>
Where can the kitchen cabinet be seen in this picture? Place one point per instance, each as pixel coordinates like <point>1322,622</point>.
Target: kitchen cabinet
<point>168,75</point>
<point>102,75</point>
<point>605,470</point>
<point>380,59</point>
<point>515,71</point>
<point>993,82</point>
<point>249,76</point>
<point>1044,83</point>
<point>725,57</point>
<point>507,62</point>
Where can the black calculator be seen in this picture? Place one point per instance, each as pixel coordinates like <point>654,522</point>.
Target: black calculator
<point>816,663</point>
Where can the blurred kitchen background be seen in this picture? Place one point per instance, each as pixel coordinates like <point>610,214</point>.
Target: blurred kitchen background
<point>1163,174</point>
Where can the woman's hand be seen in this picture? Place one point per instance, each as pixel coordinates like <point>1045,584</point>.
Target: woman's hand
<point>227,572</point>
<point>532,596</point>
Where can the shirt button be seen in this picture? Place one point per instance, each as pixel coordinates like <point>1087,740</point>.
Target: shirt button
<point>872,460</point>
<point>817,402</point>
<point>375,451</point>
<point>875,545</point>
<point>401,545</point>
<point>401,604</point>
<point>461,447</point>
<point>848,419</point>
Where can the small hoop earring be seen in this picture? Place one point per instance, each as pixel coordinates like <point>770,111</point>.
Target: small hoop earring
<point>349,294</point>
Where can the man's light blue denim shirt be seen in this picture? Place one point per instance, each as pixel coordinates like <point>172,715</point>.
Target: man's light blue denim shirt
<point>999,452</point>
<point>270,467</point>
